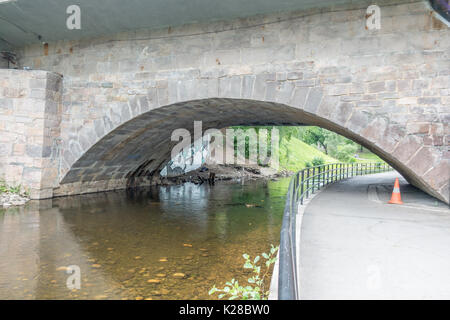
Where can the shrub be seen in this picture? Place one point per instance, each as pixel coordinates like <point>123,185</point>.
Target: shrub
<point>6,188</point>
<point>317,161</point>
<point>233,290</point>
<point>345,153</point>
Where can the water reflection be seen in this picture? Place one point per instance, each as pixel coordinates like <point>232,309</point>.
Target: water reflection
<point>129,245</point>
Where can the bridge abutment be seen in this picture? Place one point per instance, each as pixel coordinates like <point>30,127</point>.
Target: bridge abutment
<point>30,113</point>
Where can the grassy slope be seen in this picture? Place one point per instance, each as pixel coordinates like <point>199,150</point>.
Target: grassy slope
<point>368,157</point>
<point>294,153</point>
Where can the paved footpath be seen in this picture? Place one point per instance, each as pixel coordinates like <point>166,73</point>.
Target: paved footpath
<point>356,246</point>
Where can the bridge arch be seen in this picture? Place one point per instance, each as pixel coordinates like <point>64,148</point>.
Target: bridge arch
<point>142,142</point>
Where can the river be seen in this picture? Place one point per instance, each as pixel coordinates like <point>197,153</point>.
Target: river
<point>129,245</point>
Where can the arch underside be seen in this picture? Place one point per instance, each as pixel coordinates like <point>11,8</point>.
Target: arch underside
<point>142,146</point>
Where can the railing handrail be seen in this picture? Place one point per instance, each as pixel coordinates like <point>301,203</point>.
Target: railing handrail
<point>300,187</point>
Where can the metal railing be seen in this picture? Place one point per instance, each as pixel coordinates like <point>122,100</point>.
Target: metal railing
<point>302,185</point>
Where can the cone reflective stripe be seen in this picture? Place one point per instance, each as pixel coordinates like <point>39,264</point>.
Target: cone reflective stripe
<point>396,197</point>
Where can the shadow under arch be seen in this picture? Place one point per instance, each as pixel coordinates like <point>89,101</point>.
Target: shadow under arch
<point>143,142</point>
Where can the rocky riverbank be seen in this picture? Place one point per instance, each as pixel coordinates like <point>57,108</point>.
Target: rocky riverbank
<point>9,199</point>
<point>225,173</point>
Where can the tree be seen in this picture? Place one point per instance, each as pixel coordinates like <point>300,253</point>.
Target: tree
<point>316,136</point>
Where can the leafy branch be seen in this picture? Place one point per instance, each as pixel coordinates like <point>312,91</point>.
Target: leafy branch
<point>256,289</point>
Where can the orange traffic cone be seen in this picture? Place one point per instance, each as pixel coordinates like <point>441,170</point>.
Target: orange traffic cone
<point>396,197</point>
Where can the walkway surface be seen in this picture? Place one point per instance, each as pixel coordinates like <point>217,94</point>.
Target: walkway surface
<point>356,246</point>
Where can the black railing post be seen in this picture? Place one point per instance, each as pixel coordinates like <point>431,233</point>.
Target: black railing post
<point>301,186</point>
<point>323,176</point>
<point>313,179</point>
<point>328,174</point>
<point>318,179</point>
<point>307,182</point>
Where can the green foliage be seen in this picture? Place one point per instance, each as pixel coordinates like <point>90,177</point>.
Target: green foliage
<point>300,146</point>
<point>256,290</point>
<point>293,153</point>
<point>346,152</point>
<point>368,157</point>
<point>316,136</point>
<point>318,161</point>
<point>4,187</point>
<point>296,155</point>
<point>335,145</point>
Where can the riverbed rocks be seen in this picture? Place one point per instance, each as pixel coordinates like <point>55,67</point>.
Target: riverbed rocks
<point>154,280</point>
<point>179,275</point>
<point>9,199</point>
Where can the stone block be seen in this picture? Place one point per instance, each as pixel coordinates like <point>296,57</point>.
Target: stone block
<point>299,96</point>
<point>375,87</point>
<point>406,148</point>
<point>423,160</point>
<point>313,100</point>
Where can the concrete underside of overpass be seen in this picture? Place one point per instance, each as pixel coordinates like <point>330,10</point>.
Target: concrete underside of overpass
<point>21,21</point>
<point>108,104</point>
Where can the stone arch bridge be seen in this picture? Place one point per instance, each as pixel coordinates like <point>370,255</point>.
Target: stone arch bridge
<point>105,106</point>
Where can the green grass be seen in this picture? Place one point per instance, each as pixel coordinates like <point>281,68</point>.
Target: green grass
<point>294,154</point>
<point>368,157</point>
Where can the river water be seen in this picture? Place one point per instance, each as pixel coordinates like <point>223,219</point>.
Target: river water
<point>131,245</point>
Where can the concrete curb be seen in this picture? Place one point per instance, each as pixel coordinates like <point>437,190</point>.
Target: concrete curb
<point>273,291</point>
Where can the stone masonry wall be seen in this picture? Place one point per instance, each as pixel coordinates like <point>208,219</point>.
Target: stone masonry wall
<point>388,89</point>
<point>30,116</point>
